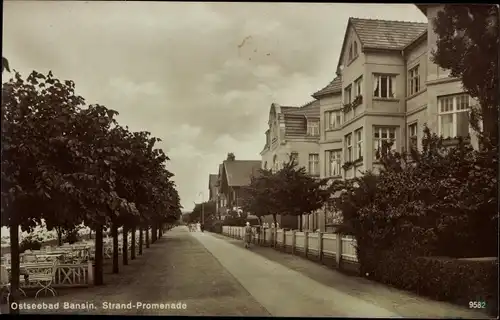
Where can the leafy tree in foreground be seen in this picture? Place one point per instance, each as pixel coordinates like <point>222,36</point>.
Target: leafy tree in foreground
<point>260,200</point>
<point>442,202</point>
<point>467,45</point>
<point>299,193</point>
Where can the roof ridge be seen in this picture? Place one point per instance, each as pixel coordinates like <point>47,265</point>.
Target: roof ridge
<point>384,20</point>
<point>308,104</point>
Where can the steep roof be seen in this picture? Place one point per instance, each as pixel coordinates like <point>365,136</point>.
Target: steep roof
<point>382,34</point>
<point>296,118</point>
<point>387,34</point>
<point>212,180</point>
<point>239,172</point>
<point>335,86</point>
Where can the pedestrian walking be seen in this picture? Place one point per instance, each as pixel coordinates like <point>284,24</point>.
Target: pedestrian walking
<point>248,235</point>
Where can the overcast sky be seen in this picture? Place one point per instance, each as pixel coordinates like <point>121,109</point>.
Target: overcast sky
<point>176,69</point>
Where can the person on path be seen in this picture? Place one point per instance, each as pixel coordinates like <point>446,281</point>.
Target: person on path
<point>248,235</point>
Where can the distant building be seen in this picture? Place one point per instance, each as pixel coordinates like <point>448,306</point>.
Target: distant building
<point>233,176</point>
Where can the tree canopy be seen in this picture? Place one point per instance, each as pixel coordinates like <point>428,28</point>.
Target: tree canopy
<point>289,191</point>
<point>467,45</point>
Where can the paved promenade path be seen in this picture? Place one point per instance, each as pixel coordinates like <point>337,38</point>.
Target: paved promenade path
<point>216,276</point>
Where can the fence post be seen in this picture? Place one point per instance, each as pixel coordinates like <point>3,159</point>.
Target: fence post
<point>320,246</point>
<point>90,278</point>
<point>338,254</point>
<point>306,242</point>
<point>284,240</point>
<point>293,241</point>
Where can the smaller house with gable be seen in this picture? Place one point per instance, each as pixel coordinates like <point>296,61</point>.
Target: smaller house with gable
<point>233,176</point>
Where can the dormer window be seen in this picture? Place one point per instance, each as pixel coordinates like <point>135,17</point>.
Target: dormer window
<point>312,128</point>
<point>350,53</point>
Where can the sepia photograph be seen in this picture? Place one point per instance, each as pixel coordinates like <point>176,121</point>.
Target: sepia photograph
<point>264,159</point>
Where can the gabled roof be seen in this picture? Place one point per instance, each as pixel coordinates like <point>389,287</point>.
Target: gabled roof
<point>386,34</point>
<point>296,118</point>
<point>382,34</point>
<point>309,110</point>
<point>239,172</point>
<point>212,180</point>
<point>335,86</point>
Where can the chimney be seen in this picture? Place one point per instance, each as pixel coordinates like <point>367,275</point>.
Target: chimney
<point>230,156</point>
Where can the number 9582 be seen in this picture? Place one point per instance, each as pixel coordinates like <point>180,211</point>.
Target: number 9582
<point>477,304</point>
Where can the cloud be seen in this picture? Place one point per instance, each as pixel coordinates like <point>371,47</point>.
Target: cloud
<point>176,69</point>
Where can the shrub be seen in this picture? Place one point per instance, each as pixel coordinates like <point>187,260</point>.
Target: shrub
<point>30,243</point>
<point>71,236</point>
<point>440,278</point>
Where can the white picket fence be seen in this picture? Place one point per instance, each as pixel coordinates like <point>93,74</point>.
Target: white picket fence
<point>318,244</point>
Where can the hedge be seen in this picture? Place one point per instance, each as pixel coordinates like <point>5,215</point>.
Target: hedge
<point>441,278</point>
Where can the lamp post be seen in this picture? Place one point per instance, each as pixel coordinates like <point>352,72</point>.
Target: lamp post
<point>202,207</point>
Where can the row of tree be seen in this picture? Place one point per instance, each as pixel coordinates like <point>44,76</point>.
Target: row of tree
<point>70,163</point>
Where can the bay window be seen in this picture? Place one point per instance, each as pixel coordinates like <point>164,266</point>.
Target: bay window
<point>454,115</point>
<point>413,80</point>
<point>358,134</point>
<point>384,86</point>
<point>333,160</point>
<point>314,164</point>
<point>333,119</point>
<point>348,148</point>
<point>313,128</point>
<point>358,86</point>
<point>383,135</point>
<point>348,94</point>
<point>413,136</point>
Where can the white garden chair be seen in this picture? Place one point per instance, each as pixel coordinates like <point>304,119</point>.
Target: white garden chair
<point>44,277</point>
<point>5,283</point>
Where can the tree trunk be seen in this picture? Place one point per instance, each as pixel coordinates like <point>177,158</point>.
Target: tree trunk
<point>160,231</point>
<point>153,233</point>
<point>274,230</point>
<point>132,249</point>
<point>99,256</point>
<point>300,223</point>
<point>114,232</point>
<point>125,245</point>
<point>14,265</point>
<point>147,237</point>
<point>141,239</point>
<point>59,236</point>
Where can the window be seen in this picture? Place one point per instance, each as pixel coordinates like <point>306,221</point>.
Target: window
<point>358,134</point>
<point>348,148</point>
<point>454,115</point>
<point>413,80</point>
<point>381,135</point>
<point>350,53</point>
<point>275,163</point>
<point>355,49</point>
<point>357,86</point>
<point>333,160</point>
<point>295,156</point>
<point>384,86</point>
<point>348,94</point>
<point>313,128</point>
<point>413,136</point>
<point>314,164</point>
<point>333,120</point>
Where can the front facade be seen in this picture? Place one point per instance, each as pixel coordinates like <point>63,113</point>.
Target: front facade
<point>386,89</point>
<point>294,132</point>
